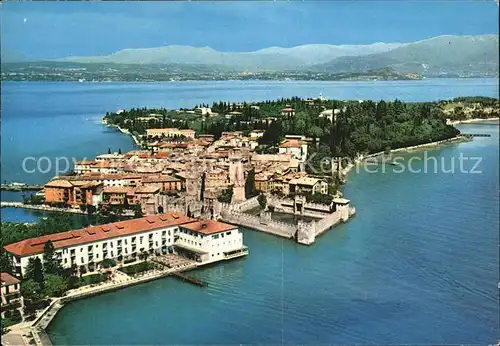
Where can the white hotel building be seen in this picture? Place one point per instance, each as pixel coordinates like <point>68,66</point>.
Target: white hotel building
<point>205,241</point>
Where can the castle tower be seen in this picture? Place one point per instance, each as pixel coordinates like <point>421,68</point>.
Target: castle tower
<point>237,178</point>
<point>193,184</point>
<point>306,232</point>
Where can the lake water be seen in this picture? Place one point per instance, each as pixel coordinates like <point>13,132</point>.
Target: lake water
<point>55,123</point>
<point>418,264</point>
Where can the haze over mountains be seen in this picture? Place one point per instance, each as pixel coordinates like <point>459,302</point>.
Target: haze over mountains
<point>442,55</point>
<point>273,58</point>
<point>439,55</point>
<point>12,56</point>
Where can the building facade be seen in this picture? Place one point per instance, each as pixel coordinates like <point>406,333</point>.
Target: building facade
<point>11,293</point>
<point>308,185</point>
<point>204,241</point>
<point>73,193</point>
<point>297,148</point>
<point>170,132</point>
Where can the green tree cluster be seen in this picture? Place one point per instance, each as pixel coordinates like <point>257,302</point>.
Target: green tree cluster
<point>250,190</point>
<point>365,127</point>
<point>262,201</point>
<point>226,195</point>
<point>138,211</point>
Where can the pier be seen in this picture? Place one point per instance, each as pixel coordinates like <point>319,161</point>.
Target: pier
<point>20,187</point>
<point>189,279</point>
<point>42,207</point>
<point>477,134</point>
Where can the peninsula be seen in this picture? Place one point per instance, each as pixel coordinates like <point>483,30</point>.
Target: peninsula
<point>199,174</point>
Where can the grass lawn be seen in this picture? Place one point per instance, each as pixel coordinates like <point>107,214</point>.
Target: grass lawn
<point>92,279</point>
<point>137,268</point>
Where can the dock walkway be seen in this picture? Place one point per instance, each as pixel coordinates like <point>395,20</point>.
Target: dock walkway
<point>477,134</point>
<point>20,187</point>
<point>190,279</point>
<point>42,207</point>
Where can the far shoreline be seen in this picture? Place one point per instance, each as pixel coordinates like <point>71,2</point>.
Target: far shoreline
<point>474,120</point>
<point>361,159</point>
<point>132,81</point>
<point>454,140</point>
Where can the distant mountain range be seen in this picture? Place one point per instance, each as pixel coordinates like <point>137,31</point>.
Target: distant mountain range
<point>460,55</point>
<point>270,59</point>
<point>9,56</point>
<point>438,56</point>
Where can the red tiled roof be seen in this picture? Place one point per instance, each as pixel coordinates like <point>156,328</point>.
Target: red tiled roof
<point>147,189</point>
<point>103,164</point>
<point>173,145</point>
<point>86,184</point>
<point>8,279</point>
<point>91,234</point>
<point>164,178</point>
<point>88,163</point>
<point>117,189</point>
<point>100,176</point>
<point>200,142</point>
<point>208,226</point>
<point>161,155</point>
<point>291,143</point>
<point>59,183</point>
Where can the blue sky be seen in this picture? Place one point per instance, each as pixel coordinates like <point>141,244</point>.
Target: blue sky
<point>58,29</point>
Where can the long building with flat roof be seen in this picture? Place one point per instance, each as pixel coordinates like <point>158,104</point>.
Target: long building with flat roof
<point>202,240</point>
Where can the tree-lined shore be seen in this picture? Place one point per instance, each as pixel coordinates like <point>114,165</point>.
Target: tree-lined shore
<point>353,127</point>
